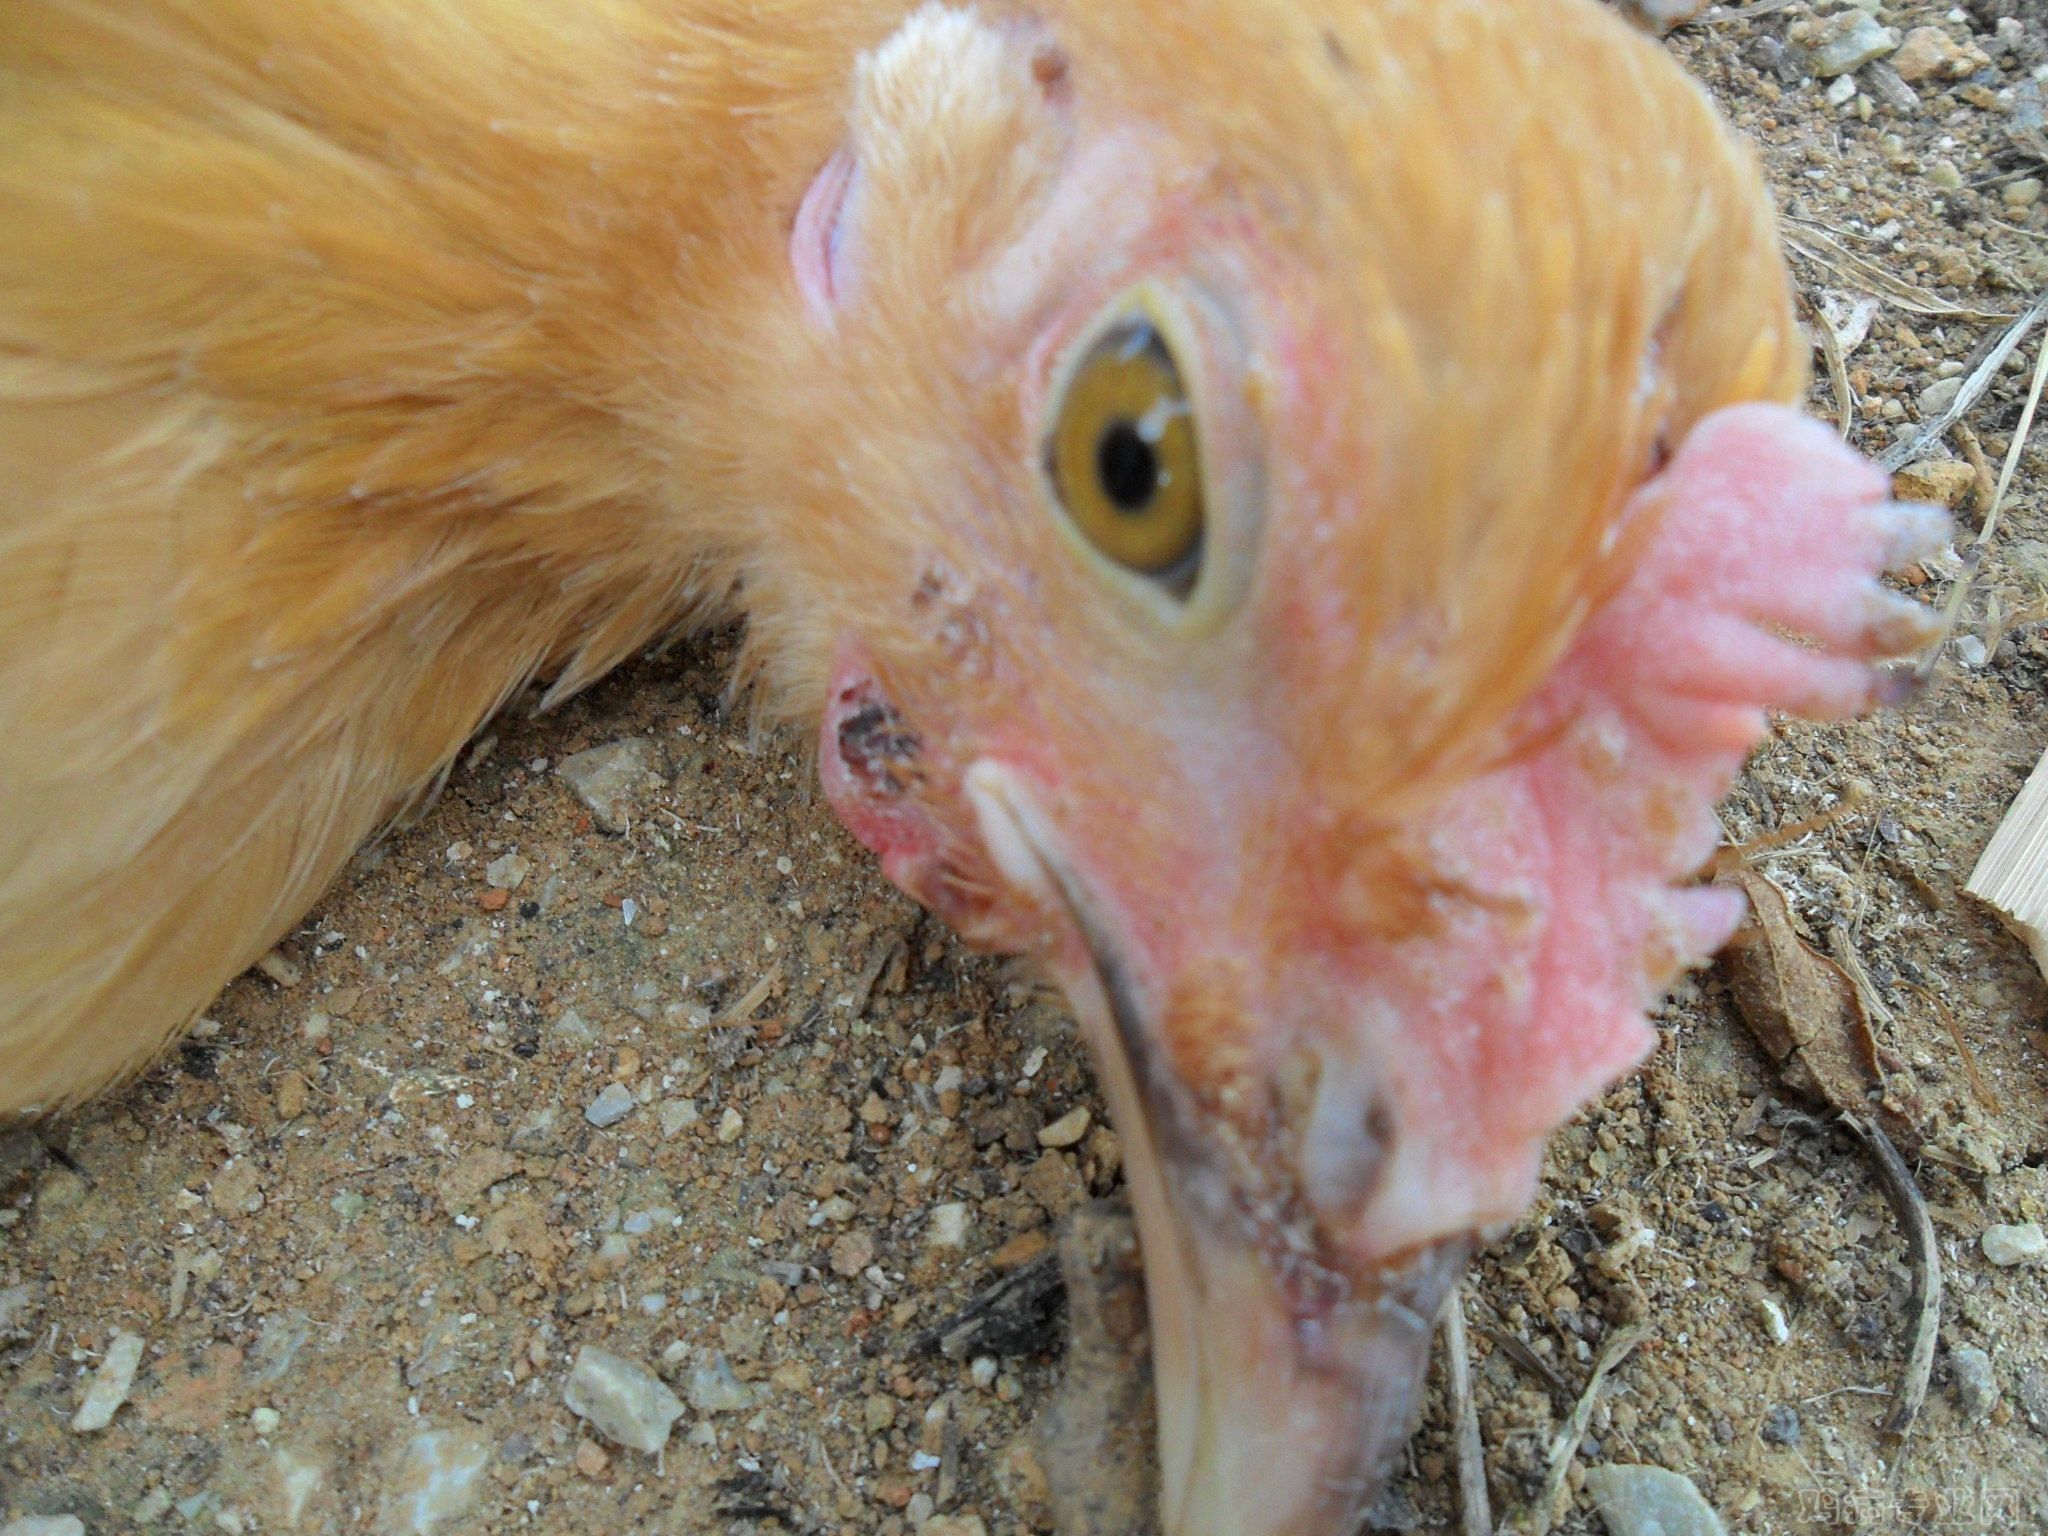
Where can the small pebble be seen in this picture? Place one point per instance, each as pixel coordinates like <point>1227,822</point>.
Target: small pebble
<point>44,1525</point>
<point>507,872</point>
<point>1649,1501</point>
<point>624,1402</point>
<point>1928,52</point>
<point>1976,1383</point>
<point>265,1421</point>
<point>1068,1129</point>
<point>604,779</point>
<point>731,1126</point>
<point>2010,1245</point>
<point>291,1096</point>
<point>1781,1425</point>
<point>714,1389</point>
<point>110,1384</point>
<point>610,1106</point>
<point>677,1116</point>
<point>948,1227</point>
<point>1662,16</point>
<point>1939,396</point>
<point>1847,41</point>
<point>1942,482</point>
<point>852,1252</point>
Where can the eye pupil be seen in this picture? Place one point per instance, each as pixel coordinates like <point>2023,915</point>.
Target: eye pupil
<point>1127,466</point>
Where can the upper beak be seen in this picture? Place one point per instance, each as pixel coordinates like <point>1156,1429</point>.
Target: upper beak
<point>1288,1378</point>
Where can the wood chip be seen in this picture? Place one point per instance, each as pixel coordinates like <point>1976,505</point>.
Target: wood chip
<point>2012,876</point>
<point>743,1010</point>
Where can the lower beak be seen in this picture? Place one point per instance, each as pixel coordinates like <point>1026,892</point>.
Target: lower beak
<point>1285,1392</point>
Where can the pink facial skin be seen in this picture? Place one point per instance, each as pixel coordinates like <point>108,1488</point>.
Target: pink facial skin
<point>1518,1010</point>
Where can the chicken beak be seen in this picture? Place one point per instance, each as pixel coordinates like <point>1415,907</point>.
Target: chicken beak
<point>1287,1382</point>
<point>1285,1390</point>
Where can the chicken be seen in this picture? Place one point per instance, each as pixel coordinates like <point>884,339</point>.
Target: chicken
<point>1283,510</point>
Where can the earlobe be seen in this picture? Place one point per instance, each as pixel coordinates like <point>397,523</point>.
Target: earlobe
<point>819,252</point>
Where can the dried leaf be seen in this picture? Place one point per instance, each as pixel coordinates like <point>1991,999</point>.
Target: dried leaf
<point>1806,1013</point>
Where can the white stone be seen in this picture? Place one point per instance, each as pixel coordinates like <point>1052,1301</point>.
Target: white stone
<point>1650,1501</point>
<point>110,1384</point>
<point>626,1403</point>
<point>1850,40</point>
<point>714,1389</point>
<point>2023,1244</point>
<point>610,1106</point>
<point>1939,396</point>
<point>507,872</point>
<point>604,778</point>
<point>949,1225</point>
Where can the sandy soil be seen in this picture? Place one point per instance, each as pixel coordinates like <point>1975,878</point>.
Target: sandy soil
<point>363,1224</point>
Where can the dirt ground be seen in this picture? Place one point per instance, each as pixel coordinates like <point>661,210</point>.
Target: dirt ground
<point>363,1221</point>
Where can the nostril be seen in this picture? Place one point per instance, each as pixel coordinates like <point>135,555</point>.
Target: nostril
<point>817,244</point>
<point>1346,1142</point>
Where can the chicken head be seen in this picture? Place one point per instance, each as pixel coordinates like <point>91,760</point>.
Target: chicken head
<point>1333,574</point>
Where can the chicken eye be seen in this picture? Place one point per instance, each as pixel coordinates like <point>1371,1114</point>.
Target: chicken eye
<point>1124,457</point>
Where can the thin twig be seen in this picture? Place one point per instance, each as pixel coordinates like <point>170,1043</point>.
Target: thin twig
<point>1564,1448</point>
<point>2019,443</point>
<point>1973,455</point>
<point>1977,1084</point>
<point>1951,614</point>
<point>1472,1499</point>
<point>1517,1349</point>
<point>1926,1300</point>
<point>1830,346</point>
<point>1730,857</point>
<point>1871,277</point>
<point>1900,454</point>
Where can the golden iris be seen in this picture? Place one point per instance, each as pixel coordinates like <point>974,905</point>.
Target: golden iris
<point>1125,459</point>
